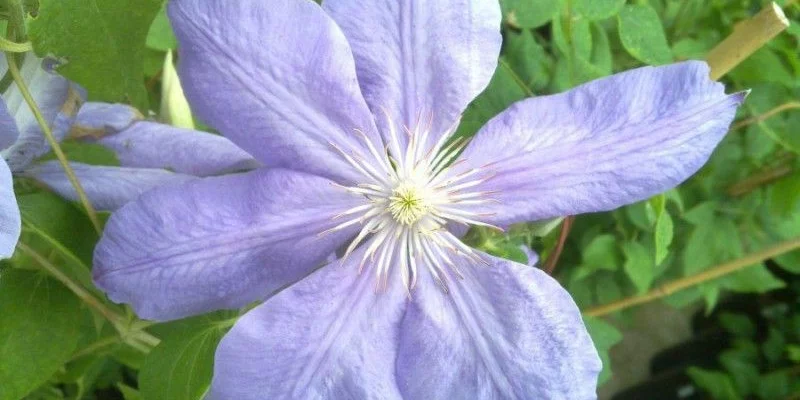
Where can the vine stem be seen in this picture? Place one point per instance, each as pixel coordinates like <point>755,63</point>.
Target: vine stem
<point>14,47</point>
<point>747,37</point>
<point>763,117</point>
<point>90,349</point>
<point>690,281</point>
<point>758,180</point>
<point>17,25</point>
<point>138,339</point>
<point>503,64</point>
<point>552,260</point>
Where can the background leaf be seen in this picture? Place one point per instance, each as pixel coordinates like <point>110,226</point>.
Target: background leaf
<point>105,55</point>
<point>642,34</point>
<point>180,366</point>
<point>39,330</point>
<point>529,13</point>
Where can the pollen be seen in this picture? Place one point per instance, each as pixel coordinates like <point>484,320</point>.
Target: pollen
<point>407,204</point>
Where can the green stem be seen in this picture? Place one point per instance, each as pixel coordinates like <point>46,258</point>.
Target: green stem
<point>62,159</point>
<point>516,78</point>
<point>138,339</point>
<point>16,18</point>
<point>14,47</point>
<point>694,280</point>
<point>92,348</point>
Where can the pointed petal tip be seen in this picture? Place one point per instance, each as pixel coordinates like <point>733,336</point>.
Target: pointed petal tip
<point>741,96</point>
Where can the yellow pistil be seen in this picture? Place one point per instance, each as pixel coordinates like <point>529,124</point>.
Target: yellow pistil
<point>407,205</point>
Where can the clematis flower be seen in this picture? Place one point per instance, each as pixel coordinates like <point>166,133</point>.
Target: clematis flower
<point>151,154</point>
<point>351,107</point>
<point>21,138</point>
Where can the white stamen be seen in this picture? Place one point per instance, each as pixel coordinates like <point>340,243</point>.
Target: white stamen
<point>408,196</point>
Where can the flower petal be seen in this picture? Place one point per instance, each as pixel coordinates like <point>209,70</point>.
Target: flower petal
<point>145,144</point>
<point>219,242</point>
<point>108,188</point>
<point>276,77</point>
<point>56,99</point>
<point>533,257</point>
<point>504,331</point>
<point>329,336</point>
<point>602,145</point>
<point>153,145</point>
<point>417,57</point>
<point>10,222</point>
<point>8,128</point>
<point>96,120</point>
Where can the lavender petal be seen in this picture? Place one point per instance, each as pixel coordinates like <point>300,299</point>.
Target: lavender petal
<point>421,57</point>
<point>277,78</point>
<point>10,222</point>
<point>217,243</point>
<point>504,331</point>
<point>602,145</point>
<point>329,336</point>
<point>107,188</point>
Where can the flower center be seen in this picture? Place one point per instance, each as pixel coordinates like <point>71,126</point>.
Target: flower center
<point>411,190</point>
<point>408,204</point>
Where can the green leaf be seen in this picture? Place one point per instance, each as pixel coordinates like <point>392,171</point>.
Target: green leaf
<point>718,384</point>
<point>637,214</point>
<point>763,66</point>
<point>764,97</point>
<point>663,236</point>
<point>529,13</point>
<point>63,222</point>
<point>784,195</point>
<point>503,90</point>
<point>87,153</point>
<point>602,253</point>
<point>57,229</point>
<point>39,330</point>
<point>642,34</point>
<point>101,42</point>
<point>639,265</point>
<point>160,36</point>
<point>702,214</point>
<point>597,9</point>
<point>602,58</point>
<point>505,249</point>
<point>753,279</point>
<point>525,57</point>
<point>774,346</point>
<point>793,351</point>
<point>742,367</point>
<point>585,50</point>
<point>129,393</point>
<point>774,385</point>
<point>604,336</point>
<point>599,63</point>
<point>717,241</point>
<point>180,366</point>
<point>607,289</point>
<point>658,203</point>
<point>694,49</point>
<point>738,325</point>
<point>544,227</point>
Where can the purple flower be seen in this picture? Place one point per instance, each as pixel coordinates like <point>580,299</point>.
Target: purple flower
<point>150,154</point>
<point>350,108</point>
<point>21,138</point>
